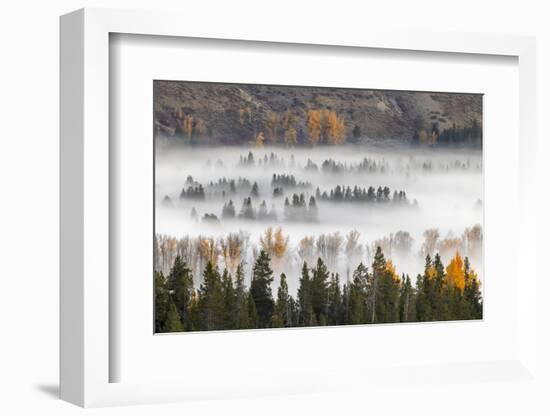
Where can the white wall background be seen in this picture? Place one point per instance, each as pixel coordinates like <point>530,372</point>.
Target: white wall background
<point>29,195</point>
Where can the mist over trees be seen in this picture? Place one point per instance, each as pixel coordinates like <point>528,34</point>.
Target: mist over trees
<point>340,252</point>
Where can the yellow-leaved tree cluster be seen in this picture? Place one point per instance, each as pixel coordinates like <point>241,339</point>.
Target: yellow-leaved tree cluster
<point>323,127</point>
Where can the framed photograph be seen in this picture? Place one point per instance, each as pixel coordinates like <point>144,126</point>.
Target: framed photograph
<point>286,213</point>
<point>264,194</point>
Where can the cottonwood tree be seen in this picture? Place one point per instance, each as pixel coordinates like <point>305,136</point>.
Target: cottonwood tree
<point>275,244</point>
<point>233,248</point>
<point>353,251</point>
<point>431,237</point>
<point>306,249</point>
<point>473,241</point>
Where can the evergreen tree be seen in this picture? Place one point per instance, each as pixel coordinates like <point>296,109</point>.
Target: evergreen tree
<point>162,301</point>
<point>255,191</point>
<point>318,290</point>
<point>260,289</point>
<point>407,301</point>
<point>440,309</point>
<point>230,308</point>
<point>424,289</point>
<point>472,292</point>
<point>336,305</point>
<point>211,301</point>
<point>346,317</point>
<point>180,282</point>
<point>194,312</point>
<point>228,211</point>
<point>283,307</point>
<point>304,297</point>
<point>173,322</point>
<point>253,318</point>
<point>313,211</point>
<point>359,294</point>
<point>378,270</point>
<point>241,300</point>
<point>389,290</point>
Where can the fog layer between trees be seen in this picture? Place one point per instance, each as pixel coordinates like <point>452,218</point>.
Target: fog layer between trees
<point>225,204</point>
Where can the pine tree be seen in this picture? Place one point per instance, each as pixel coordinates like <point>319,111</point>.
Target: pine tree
<point>424,289</point>
<point>241,300</point>
<point>162,301</point>
<point>378,270</point>
<point>194,312</point>
<point>211,302</point>
<point>230,306</point>
<point>260,289</point>
<point>390,285</point>
<point>319,292</point>
<point>253,318</point>
<point>346,296</point>
<point>283,305</point>
<point>439,307</point>
<point>336,305</point>
<point>472,292</point>
<point>255,191</point>
<point>407,301</point>
<point>304,297</point>
<point>180,282</point>
<point>173,322</point>
<point>359,294</point>
<point>228,211</point>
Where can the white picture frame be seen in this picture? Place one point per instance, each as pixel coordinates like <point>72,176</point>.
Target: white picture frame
<point>85,354</point>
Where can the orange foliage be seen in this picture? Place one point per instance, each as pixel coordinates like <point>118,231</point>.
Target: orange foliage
<point>325,126</point>
<point>336,129</point>
<point>455,272</point>
<point>314,126</point>
<point>281,243</point>
<point>390,268</point>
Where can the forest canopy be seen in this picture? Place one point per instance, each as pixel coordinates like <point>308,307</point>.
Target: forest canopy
<point>374,294</point>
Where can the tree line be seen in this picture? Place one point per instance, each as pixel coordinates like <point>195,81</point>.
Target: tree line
<point>357,194</point>
<point>371,296</point>
<point>468,134</point>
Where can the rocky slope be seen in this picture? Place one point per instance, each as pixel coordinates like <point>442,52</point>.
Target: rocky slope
<point>216,113</point>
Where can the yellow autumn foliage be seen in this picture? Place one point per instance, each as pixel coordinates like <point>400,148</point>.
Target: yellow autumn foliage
<point>314,126</point>
<point>431,273</point>
<point>391,269</point>
<point>455,272</point>
<point>281,243</point>
<point>336,129</point>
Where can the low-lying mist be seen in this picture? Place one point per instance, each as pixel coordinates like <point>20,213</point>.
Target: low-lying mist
<point>436,190</point>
